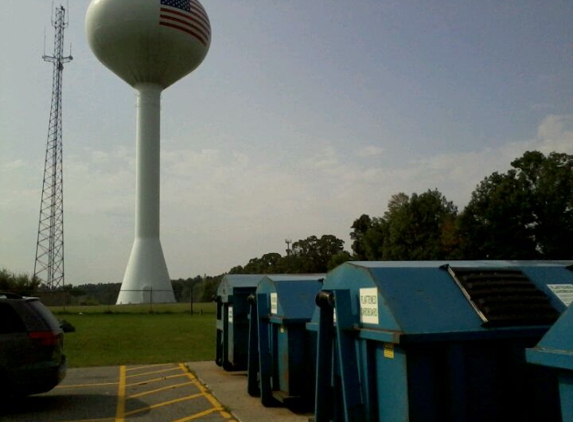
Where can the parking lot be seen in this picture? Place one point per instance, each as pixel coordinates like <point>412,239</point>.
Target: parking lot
<point>176,392</point>
<point>167,392</point>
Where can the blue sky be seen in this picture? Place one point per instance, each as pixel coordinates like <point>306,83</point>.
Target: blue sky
<point>303,116</point>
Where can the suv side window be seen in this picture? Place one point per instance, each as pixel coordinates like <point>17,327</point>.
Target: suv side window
<point>10,321</point>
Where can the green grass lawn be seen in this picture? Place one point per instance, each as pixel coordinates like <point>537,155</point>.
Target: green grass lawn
<point>168,308</point>
<point>131,334</point>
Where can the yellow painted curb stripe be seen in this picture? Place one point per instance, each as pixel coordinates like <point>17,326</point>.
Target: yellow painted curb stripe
<point>214,402</point>
<point>120,411</point>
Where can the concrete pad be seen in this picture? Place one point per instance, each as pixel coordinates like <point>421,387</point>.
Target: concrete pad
<point>230,388</point>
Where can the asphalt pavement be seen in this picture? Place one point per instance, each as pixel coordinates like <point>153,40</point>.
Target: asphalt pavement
<point>175,392</point>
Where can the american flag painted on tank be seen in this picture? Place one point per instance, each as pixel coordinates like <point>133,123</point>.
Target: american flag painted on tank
<point>187,16</point>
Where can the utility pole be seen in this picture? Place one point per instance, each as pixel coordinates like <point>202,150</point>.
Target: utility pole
<point>49,264</point>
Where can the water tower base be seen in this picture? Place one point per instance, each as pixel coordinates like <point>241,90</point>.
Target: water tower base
<point>146,278</point>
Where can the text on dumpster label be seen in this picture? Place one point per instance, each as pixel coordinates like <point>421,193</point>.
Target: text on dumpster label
<point>563,291</point>
<point>369,305</point>
<point>274,303</point>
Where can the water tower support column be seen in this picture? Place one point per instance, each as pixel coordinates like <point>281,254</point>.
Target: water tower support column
<point>146,277</point>
<point>150,44</point>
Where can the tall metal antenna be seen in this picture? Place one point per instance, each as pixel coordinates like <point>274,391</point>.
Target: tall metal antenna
<point>288,242</point>
<point>49,265</point>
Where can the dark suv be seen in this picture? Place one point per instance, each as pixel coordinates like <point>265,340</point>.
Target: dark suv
<point>31,346</point>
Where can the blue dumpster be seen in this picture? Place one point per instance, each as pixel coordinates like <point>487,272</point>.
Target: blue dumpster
<point>286,353</point>
<point>232,320</point>
<point>435,341</point>
<point>555,350</point>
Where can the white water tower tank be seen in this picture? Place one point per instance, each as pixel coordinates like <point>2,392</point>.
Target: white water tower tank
<point>150,44</point>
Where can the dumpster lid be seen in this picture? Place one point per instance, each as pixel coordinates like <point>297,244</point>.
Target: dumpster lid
<point>422,297</point>
<point>232,281</point>
<point>242,280</point>
<point>292,296</point>
<point>504,296</point>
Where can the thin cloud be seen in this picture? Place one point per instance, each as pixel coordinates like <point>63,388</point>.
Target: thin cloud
<point>369,151</point>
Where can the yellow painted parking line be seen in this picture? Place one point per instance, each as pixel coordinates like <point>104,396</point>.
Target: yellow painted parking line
<point>120,410</point>
<point>155,380</point>
<point>153,372</point>
<point>125,410</point>
<point>101,384</point>
<point>169,387</point>
<point>212,399</point>
<point>197,415</point>
<point>154,365</point>
<point>166,403</point>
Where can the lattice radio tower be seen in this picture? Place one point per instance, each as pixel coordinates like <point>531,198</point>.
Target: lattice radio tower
<point>49,265</point>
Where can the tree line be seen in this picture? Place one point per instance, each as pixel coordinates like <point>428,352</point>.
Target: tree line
<point>524,213</point>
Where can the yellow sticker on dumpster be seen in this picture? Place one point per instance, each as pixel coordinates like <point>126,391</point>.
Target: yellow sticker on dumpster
<point>389,350</point>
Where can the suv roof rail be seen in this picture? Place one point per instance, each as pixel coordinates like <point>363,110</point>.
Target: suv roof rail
<point>10,295</point>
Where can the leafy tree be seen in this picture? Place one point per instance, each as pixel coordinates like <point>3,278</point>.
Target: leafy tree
<point>237,269</point>
<point>312,255</point>
<point>526,213</point>
<point>373,240</point>
<point>416,226</point>
<point>205,288</point>
<point>269,263</point>
<point>359,229</point>
<point>338,259</point>
<point>18,283</point>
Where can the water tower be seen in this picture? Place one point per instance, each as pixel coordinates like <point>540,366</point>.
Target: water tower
<point>150,44</point>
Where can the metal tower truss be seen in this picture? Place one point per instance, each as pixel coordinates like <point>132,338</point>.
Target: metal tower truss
<point>49,265</point>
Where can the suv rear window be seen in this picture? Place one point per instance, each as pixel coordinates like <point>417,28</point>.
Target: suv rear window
<point>10,321</point>
<point>45,313</point>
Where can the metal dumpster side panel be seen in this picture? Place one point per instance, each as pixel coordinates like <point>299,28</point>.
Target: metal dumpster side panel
<point>392,385</point>
<point>554,354</point>
<point>456,382</point>
<point>232,320</point>
<point>474,376</point>
<point>566,392</point>
<point>286,357</point>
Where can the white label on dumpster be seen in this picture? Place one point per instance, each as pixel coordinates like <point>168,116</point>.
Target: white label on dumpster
<point>274,303</point>
<point>369,305</point>
<point>563,291</point>
<point>230,316</point>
